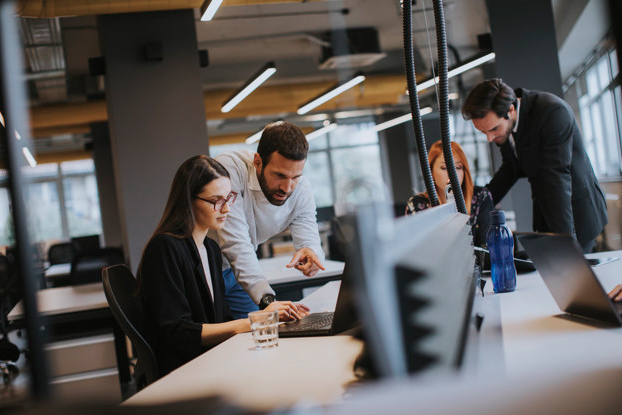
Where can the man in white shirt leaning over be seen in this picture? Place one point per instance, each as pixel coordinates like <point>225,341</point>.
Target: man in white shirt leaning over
<point>272,196</point>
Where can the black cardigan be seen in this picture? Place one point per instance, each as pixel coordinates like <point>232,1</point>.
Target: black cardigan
<point>177,298</point>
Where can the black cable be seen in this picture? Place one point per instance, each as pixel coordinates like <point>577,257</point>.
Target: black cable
<point>409,63</point>
<point>443,104</point>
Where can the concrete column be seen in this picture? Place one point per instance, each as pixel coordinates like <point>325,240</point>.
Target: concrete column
<point>523,39</point>
<point>156,112</point>
<point>104,171</point>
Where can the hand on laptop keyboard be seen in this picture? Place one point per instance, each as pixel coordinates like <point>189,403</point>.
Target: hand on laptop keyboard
<point>616,293</point>
<point>288,310</point>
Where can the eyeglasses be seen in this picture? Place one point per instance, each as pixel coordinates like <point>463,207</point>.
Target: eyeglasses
<point>220,203</point>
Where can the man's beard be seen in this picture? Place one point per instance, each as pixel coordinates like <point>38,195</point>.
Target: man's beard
<point>269,194</point>
<point>507,134</point>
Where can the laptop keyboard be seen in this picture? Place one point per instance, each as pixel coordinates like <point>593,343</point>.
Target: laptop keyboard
<point>315,323</point>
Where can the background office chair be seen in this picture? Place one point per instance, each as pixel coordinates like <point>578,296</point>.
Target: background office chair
<point>9,296</point>
<point>119,287</point>
<point>86,267</point>
<point>61,253</point>
<point>85,244</point>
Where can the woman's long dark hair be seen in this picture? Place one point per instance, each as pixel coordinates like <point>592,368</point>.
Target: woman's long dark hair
<point>191,177</point>
<point>178,217</point>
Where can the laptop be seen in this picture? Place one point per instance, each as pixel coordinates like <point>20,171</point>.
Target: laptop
<point>326,323</point>
<point>569,277</point>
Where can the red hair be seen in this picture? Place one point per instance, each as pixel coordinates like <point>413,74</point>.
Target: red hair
<point>467,184</point>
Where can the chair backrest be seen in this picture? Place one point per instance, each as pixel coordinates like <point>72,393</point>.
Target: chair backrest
<point>85,244</point>
<point>119,287</point>
<point>87,267</point>
<point>61,253</point>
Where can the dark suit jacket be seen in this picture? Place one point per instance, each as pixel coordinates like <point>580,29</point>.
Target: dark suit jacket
<point>177,298</point>
<point>550,153</point>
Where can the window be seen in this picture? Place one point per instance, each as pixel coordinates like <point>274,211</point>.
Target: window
<point>350,152</point>
<point>598,92</point>
<point>475,146</point>
<point>346,155</point>
<point>61,199</point>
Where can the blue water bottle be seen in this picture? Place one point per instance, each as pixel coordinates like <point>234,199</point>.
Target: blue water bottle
<point>501,247</point>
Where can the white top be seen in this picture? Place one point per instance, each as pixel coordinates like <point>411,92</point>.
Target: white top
<point>208,276</point>
<point>253,220</point>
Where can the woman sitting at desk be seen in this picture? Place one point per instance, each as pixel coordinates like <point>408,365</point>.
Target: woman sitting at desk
<point>186,312</point>
<point>480,197</point>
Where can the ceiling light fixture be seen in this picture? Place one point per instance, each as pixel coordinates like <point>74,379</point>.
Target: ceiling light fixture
<point>209,9</point>
<point>29,157</point>
<point>470,64</point>
<point>252,84</point>
<point>321,131</point>
<point>254,137</point>
<point>330,94</point>
<point>401,119</point>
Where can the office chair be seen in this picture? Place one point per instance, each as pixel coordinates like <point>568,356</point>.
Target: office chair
<point>86,267</point>
<point>85,244</point>
<point>120,287</point>
<point>9,293</point>
<point>61,253</point>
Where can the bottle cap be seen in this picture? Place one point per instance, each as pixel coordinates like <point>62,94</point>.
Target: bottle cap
<point>497,217</point>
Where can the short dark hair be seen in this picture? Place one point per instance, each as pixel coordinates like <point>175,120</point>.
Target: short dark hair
<point>285,138</point>
<point>491,95</point>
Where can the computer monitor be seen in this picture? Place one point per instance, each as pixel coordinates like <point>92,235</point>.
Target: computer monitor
<point>414,285</point>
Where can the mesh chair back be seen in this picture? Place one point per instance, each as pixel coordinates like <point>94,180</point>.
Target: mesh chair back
<point>60,253</point>
<point>87,267</point>
<point>119,287</point>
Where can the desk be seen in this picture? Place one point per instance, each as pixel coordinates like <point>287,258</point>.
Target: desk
<point>314,370</point>
<point>288,283</point>
<point>546,364</point>
<point>57,275</point>
<point>77,312</point>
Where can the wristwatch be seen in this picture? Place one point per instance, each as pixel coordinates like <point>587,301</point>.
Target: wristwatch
<point>266,300</point>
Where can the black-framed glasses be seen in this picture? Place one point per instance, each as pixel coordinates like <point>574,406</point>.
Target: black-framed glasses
<point>220,203</point>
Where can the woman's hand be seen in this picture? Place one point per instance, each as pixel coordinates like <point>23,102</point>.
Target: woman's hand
<point>288,310</point>
<point>616,293</point>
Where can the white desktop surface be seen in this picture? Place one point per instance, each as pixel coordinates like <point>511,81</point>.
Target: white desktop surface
<point>536,334</point>
<point>311,369</point>
<point>548,365</point>
<point>58,270</point>
<point>60,300</point>
<point>277,273</point>
<point>546,362</point>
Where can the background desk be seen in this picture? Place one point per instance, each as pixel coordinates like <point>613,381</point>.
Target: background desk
<point>289,283</point>
<point>86,347</point>
<point>311,369</point>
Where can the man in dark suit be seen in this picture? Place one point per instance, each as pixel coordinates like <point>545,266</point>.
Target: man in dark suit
<point>540,139</point>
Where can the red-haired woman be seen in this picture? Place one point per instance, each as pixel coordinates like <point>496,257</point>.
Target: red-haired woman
<point>480,198</point>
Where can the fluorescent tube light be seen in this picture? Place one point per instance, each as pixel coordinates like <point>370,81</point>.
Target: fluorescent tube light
<point>254,137</point>
<point>253,83</point>
<point>401,119</point>
<point>209,9</point>
<point>29,157</point>
<point>457,70</point>
<point>330,94</point>
<point>321,131</point>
